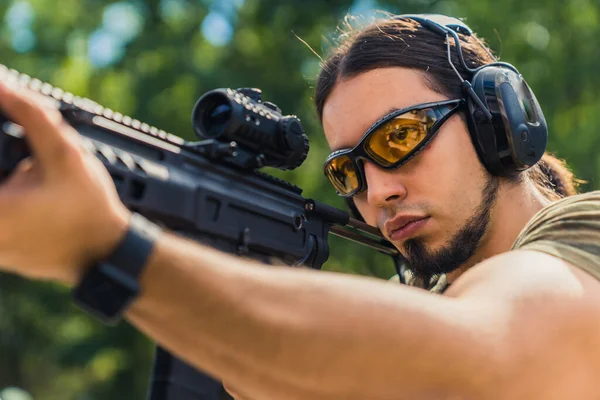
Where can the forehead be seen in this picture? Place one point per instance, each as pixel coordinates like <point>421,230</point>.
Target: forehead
<point>356,103</point>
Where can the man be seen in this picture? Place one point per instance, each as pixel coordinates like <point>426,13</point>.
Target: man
<point>521,324</point>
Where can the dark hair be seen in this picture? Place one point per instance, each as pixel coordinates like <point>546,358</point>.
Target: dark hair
<point>395,42</point>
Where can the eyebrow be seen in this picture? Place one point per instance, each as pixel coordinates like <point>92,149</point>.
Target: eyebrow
<point>383,115</point>
<point>390,111</point>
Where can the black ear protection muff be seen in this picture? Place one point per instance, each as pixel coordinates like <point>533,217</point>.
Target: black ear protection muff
<point>505,120</point>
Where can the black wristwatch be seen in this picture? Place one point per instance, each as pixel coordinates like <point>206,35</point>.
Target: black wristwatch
<point>109,286</point>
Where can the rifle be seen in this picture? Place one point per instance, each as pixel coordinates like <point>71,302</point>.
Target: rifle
<point>208,190</point>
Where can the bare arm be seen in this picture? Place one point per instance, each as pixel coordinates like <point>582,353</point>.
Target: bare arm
<point>297,334</point>
<point>282,331</point>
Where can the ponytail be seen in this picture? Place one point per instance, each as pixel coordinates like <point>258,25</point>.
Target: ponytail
<point>553,178</point>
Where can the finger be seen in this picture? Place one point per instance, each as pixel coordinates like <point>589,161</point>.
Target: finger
<point>23,176</point>
<point>46,132</point>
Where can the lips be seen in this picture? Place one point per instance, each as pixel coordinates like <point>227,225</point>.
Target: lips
<point>400,223</point>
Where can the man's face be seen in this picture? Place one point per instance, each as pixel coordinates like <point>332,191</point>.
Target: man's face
<point>444,190</point>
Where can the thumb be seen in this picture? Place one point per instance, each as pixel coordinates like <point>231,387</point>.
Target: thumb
<point>48,135</point>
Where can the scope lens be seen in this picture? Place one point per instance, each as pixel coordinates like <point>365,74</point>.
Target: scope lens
<point>220,114</point>
<point>217,117</point>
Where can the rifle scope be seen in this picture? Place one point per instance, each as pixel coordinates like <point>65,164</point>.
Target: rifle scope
<point>258,128</point>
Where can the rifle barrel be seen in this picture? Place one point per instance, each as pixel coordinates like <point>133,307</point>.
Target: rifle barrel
<point>377,242</point>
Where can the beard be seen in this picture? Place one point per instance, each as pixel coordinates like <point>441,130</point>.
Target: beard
<point>425,264</point>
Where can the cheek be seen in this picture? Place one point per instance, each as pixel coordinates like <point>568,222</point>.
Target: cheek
<point>451,151</point>
<point>454,174</point>
<point>367,212</point>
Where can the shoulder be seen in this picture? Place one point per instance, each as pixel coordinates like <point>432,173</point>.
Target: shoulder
<point>561,239</point>
<point>581,210</point>
<point>568,229</point>
<point>547,313</point>
<point>544,295</point>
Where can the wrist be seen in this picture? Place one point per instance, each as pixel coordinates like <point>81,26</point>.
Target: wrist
<point>109,286</point>
<point>101,243</point>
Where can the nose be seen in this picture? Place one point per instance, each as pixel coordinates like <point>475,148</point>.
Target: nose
<point>384,187</point>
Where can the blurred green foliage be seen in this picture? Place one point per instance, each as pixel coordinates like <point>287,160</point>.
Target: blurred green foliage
<point>153,59</point>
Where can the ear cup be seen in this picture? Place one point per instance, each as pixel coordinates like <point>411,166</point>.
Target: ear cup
<point>515,138</point>
<point>481,128</point>
<point>527,131</point>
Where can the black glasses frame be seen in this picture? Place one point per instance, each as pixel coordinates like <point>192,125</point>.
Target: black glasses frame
<point>359,152</point>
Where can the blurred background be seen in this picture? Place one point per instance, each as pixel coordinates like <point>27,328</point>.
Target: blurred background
<point>153,59</point>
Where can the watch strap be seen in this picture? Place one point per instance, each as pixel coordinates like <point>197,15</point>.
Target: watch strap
<point>132,253</point>
<point>109,286</point>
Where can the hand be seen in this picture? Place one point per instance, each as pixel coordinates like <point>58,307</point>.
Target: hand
<point>59,210</point>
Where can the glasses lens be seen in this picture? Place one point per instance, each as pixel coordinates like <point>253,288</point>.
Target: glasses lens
<point>394,139</point>
<point>342,173</point>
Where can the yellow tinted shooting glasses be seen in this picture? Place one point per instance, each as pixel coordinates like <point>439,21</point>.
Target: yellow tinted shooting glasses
<point>389,143</point>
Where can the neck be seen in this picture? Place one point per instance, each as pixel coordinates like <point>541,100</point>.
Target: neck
<point>515,205</point>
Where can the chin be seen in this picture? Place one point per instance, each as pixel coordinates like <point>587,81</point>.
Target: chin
<point>427,242</point>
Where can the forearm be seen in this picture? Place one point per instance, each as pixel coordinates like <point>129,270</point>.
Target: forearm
<point>286,330</point>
